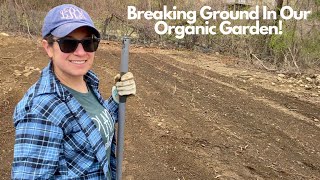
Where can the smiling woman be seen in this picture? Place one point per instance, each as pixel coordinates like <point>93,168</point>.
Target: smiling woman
<point>70,59</point>
<point>64,127</point>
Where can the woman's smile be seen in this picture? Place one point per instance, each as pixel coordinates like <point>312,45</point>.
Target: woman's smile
<point>78,61</point>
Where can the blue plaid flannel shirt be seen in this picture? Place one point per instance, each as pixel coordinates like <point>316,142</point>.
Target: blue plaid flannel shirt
<point>55,137</point>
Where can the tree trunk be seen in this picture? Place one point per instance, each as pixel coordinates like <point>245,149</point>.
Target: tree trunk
<point>105,25</point>
<point>279,6</point>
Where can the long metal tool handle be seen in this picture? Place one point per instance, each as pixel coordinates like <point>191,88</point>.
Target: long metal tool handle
<point>122,107</point>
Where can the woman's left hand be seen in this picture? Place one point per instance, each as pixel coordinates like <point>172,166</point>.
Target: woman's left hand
<point>125,84</point>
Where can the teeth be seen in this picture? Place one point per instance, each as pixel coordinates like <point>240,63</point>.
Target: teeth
<point>78,62</point>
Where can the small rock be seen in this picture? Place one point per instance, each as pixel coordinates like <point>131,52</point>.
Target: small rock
<point>314,95</point>
<point>281,75</point>
<point>279,79</point>
<point>28,73</point>
<point>4,34</point>
<point>17,73</point>
<point>130,177</point>
<point>309,79</point>
<point>316,120</point>
<point>217,53</point>
<point>26,70</point>
<point>317,80</point>
<point>292,79</point>
<point>300,81</point>
<point>273,84</point>
<point>307,87</point>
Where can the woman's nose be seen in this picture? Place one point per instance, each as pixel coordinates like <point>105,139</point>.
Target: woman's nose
<point>80,50</point>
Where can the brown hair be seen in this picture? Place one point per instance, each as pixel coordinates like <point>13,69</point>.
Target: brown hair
<point>49,38</point>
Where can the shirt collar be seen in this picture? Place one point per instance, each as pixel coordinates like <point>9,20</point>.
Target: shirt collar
<point>49,83</point>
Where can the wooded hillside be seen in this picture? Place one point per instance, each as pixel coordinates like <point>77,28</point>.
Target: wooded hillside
<point>295,50</point>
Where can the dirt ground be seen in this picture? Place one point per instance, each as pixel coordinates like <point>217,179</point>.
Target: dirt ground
<point>195,116</point>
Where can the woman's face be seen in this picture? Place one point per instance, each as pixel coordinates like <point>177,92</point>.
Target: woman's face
<point>71,65</point>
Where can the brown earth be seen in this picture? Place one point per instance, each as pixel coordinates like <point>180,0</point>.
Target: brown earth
<point>195,116</point>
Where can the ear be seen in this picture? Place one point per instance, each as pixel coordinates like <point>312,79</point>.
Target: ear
<point>48,48</point>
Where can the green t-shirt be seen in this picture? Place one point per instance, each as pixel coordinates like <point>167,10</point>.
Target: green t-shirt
<point>99,115</point>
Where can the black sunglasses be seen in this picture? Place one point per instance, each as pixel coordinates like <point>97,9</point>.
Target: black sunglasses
<point>69,45</point>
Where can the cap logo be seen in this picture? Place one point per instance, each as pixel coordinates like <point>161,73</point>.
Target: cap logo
<point>72,13</point>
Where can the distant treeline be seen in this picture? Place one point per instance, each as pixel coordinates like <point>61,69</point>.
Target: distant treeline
<point>297,49</point>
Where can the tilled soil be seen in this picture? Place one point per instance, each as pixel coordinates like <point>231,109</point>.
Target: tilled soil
<point>190,118</point>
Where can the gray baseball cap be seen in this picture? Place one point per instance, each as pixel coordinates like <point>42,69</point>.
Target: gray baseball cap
<point>62,20</point>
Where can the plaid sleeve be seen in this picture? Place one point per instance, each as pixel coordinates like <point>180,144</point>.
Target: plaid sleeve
<point>36,149</point>
<point>113,107</point>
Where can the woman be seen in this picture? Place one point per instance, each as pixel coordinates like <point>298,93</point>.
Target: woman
<point>64,128</point>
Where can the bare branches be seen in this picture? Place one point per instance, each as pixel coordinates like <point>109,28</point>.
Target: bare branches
<point>294,60</point>
<point>296,45</point>
<point>262,64</point>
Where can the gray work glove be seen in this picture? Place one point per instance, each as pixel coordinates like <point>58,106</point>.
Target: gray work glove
<point>124,86</point>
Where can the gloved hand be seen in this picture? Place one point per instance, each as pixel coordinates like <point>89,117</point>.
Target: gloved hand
<point>124,86</point>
